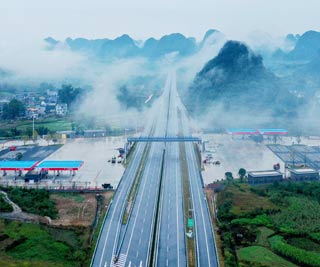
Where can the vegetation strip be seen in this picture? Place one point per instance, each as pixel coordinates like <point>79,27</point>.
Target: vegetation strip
<point>135,185</point>
<point>97,232</point>
<point>210,200</point>
<point>300,256</point>
<point>191,252</point>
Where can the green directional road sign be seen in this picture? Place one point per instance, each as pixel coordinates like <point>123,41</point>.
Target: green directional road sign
<point>190,223</point>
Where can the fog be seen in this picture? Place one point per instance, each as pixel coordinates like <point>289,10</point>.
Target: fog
<point>29,63</point>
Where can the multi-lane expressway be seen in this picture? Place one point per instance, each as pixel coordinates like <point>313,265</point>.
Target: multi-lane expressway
<point>154,234</point>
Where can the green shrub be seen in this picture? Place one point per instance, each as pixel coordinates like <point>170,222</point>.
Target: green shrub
<point>260,220</point>
<point>4,206</point>
<point>300,256</point>
<point>36,201</point>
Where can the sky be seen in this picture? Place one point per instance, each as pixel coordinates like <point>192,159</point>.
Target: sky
<point>37,19</point>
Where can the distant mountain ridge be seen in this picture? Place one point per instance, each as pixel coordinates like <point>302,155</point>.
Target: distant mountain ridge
<point>305,47</point>
<point>125,46</point>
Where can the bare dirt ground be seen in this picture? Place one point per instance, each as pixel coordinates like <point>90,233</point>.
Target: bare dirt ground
<point>77,210</point>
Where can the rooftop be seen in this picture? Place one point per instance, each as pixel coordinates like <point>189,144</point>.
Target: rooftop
<point>272,131</point>
<point>303,171</point>
<point>60,165</point>
<point>264,173</point>
<point>17,165</point>
<point>242,131</point>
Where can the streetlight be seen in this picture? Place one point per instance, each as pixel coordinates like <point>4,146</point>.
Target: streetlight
<point>125,145</point>
<point>33,126</point>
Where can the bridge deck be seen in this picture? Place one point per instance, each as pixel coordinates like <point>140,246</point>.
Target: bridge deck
<point>165,139</point>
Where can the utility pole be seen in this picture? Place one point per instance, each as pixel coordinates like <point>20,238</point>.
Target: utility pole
<point>125,146</point>
<point>33,126</point>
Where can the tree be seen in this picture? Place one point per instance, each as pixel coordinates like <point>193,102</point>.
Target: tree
<point>25,139</point>
<point>42,130</point>
<point>68,94</point>
<point>242,173</point>
<point>35,136</point>
<point>48,137</point>
<point>13,110</point>
<point>228,176</point>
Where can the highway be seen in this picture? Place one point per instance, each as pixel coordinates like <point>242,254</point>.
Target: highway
<point>112,224</point>
<point>136,248</point>
<point>206,252</point>
<point>171,245</point>
<point>155,231</point>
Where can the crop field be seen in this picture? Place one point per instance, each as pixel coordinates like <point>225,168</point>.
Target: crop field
<point>246,201</point>
<point>35,245</point>
<point>270,225</point>
<point>257,254</point>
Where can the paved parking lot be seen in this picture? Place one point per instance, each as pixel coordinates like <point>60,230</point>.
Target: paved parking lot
<point>95,152</point>
<point>30,152</point>
<point>234,154</point>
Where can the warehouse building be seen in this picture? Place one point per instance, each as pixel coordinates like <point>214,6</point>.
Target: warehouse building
<point>264,177</point>
<point>304,175</point>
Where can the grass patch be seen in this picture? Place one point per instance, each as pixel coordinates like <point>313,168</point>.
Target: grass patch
<point>243,199</point>
<point>4,206</point>
<point>262,237</point>
<point>261,255</point>
<point>74,196</point>
<point>302,216</point>
<point>186,197</point>
<point>28,244</point>
<point>36,201</point>
<point>52,124</point>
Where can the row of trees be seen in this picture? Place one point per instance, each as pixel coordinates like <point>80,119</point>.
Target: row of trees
<point>12,110</point>
<point>242,174</point>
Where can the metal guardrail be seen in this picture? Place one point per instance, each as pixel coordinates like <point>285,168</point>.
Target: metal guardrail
<point>104,220</point>
<point>212,231</point>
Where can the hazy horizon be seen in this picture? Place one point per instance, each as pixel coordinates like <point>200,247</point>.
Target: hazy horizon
<point>142,19</point>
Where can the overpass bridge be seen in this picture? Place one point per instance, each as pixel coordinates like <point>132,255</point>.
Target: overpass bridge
<point>149,139</point>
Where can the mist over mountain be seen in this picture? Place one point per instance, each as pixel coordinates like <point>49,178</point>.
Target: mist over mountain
<point>304,48</point>
<point>126,47</point>
<point>227,81</point>
<point>237,82</point>
<point>307,47</point>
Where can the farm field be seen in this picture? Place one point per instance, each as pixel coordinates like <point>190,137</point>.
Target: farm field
<point>270,225</point>
<point>65,240</point>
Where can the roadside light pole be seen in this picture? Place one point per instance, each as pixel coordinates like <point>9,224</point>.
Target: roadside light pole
<point>33,126</point>
<point>125,146</point>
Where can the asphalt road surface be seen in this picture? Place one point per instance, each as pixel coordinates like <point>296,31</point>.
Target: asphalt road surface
<point>157,211</point>
<point>171,245</point>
